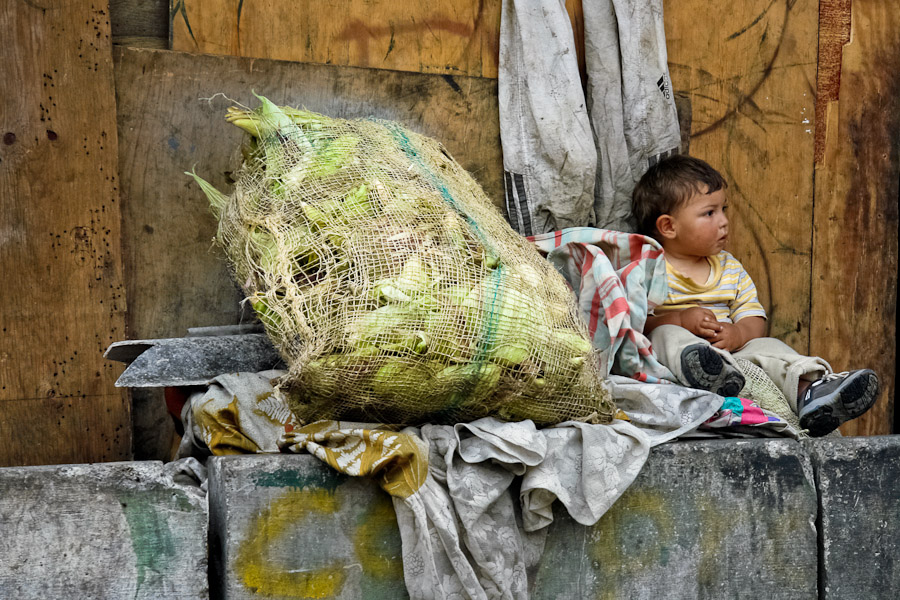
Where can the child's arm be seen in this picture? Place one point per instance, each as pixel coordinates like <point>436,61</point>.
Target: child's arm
<point>732,336</point>
<point>699,321</point>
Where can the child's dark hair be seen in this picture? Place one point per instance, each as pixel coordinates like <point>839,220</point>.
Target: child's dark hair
<point>667,185</point>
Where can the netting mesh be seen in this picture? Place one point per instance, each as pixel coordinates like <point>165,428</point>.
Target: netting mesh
<point>392,286</point>
<point>760,388</point>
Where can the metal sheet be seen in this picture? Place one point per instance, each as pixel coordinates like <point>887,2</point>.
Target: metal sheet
<point>191,360</point>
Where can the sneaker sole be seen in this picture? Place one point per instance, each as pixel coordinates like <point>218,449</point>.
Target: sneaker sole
<point>855,398</point>
<point>705,369</point>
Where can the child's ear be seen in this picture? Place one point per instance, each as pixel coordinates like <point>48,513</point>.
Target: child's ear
<point>665,225</point>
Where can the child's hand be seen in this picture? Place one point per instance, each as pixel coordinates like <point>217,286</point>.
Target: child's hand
<point>729,337</point>
<point>701,322</point>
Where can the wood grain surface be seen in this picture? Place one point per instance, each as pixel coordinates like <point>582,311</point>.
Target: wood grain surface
<point>854,293</point>
<point>456,37</point>
<point>749,69</point>
<point>62,301</point>
<point>171,119</point>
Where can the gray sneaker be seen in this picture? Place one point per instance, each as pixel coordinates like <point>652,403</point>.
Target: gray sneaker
<point>705,369</point>
<point>835,399</point>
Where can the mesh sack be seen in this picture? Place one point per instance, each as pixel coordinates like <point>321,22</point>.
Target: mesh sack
<point>393,288</point>
<point>760,388</point>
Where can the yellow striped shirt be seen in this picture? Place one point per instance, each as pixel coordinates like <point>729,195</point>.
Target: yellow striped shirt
<point>729,292</point>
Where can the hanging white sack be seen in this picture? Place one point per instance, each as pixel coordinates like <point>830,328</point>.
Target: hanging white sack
<point>630,100</point>
<point>548,148</point>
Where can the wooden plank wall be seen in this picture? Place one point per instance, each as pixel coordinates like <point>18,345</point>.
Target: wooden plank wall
<point>751,80</point>
<point>854,293</point>
<point>460,37</point>
<point>817,209</point>
<point>62,300</point>
<point>455,38</point>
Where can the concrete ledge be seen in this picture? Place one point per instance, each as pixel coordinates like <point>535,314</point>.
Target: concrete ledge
<point>115,530</point>
<point>716,519</point>
<point>769,519</point>
<point>289,526</point>
<point>859,489</point>
<point>711,519</point>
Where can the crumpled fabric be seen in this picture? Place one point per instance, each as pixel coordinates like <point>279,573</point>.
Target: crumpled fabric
<point>458,518</point>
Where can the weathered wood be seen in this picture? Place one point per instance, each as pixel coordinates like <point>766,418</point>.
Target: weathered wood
<point>749,69</point>
<point>460,37</point>
<point>834,32</point>
<point>62,300</point>
<point>174,276</point>
<point>143,23</point>
<point>854,293</point>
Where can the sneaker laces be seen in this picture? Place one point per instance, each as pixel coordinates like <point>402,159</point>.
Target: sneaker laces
<point>823,380</point>
<point>832,377</point>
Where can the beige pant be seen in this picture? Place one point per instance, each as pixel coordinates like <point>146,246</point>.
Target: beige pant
<point>780,362</point>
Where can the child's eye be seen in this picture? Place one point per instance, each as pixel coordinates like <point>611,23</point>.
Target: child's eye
<point>725,208</point>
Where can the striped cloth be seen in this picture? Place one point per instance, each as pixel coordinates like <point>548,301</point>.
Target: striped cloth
<point>618,279</point>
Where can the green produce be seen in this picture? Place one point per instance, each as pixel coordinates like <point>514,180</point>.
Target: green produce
<point>391,286</point>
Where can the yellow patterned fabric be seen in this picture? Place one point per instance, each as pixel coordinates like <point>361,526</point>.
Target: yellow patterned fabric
<point>398,462</point>
<point>242,413</point>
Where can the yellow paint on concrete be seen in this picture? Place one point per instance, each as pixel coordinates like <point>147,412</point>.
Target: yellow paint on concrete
<point>281,516</point>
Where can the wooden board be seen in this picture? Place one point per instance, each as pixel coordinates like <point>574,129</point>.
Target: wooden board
<point>749,69</point>
<point>143,23</point>
<point>854,295</point>
<point>175,278</point>
<point>62,301</point>
<point>459,37</point>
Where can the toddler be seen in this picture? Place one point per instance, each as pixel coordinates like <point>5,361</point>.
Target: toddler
<point>712,314</point>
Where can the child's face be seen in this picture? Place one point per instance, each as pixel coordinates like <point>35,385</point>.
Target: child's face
<point>699,226</point>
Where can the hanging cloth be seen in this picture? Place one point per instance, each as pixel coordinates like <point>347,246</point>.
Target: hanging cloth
<point>571,158</point>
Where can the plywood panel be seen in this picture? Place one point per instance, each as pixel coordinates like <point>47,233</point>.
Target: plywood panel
<point>175,278</point>
<point>749,69</point>
<point>854,296</point>
<point>62,300</point>
<point>457,37</point>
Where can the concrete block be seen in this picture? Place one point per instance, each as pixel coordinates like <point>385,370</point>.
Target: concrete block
<point>114,530</point>
<point>289,526</point>
<point>859,495</point>
<point>711,520</point>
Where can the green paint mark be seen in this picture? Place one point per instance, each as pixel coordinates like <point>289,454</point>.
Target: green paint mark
<point>151,538</point>
<point>377,546</point>
<point>391,43</point>
<point>286,478</point>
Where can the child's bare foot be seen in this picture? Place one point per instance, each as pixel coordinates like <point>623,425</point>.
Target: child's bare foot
<point>705,369</point>
<point>835,399</point>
